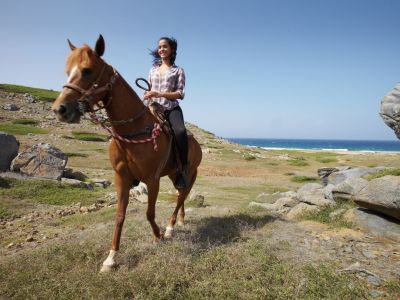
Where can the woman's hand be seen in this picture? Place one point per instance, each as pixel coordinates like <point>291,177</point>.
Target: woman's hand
<point>152,94</point>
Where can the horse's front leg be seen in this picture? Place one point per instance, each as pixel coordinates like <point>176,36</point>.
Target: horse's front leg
<point>122,184</point>
<point>153,188</point>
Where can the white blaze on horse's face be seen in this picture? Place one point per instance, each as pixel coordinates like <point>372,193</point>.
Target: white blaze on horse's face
<point>74,71</point>
<point>66,111</point>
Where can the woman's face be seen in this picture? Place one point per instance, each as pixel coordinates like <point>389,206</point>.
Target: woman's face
<point>164,49</point>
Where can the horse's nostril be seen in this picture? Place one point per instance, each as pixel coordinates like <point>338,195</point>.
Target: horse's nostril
<point>62,109</point>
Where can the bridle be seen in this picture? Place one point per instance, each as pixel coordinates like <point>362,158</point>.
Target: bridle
<point>85,102</point>
<point>85,105</point>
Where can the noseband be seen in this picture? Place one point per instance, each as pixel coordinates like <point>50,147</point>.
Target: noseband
<point>85,102</point>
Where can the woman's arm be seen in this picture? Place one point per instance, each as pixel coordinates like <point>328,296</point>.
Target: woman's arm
<point>168,95</point>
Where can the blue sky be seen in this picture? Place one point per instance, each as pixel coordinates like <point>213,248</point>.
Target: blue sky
<point>254,68</point>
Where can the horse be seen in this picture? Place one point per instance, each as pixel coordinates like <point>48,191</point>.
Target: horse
<point>93,84</point>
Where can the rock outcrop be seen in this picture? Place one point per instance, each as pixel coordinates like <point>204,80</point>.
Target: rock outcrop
<point>381,195</point>
<point>41,160</point>
<point>378,196</point>
<point>390,109</point>
<point>8,150</point>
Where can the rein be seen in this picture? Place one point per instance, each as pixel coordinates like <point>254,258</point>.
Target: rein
<point>85,104</point>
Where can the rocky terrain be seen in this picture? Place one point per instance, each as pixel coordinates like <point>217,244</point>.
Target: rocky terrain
<point>326,209</point>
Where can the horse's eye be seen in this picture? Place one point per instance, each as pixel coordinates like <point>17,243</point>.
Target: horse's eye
<point>86,72</point>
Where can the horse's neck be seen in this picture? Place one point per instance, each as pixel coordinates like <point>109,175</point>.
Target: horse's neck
<point>125,104</point>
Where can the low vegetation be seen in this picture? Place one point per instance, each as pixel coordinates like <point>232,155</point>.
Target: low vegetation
<point>75,154</point>
<point>298,162</point>
<point>224,268</point>
<point>332,215</point>
<point>304,179</point>
<point>40,94</point>
<point>25,121</point>
<point>19,129</point>
<point>89,136</point>
<point>386,172</point>
<point>46,192</point>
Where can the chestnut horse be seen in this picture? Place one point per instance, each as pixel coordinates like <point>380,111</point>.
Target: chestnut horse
<point>91,81</point>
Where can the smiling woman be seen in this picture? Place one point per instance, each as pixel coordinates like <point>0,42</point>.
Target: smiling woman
<point>91,79</point>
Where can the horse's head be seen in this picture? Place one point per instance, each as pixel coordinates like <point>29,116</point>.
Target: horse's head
<point>86,73</point>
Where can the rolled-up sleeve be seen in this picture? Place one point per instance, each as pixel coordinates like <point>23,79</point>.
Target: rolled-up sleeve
<point>181,83</point>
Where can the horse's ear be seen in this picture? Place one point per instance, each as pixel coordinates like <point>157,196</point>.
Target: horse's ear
<point>71,45</point>
<point>100,46</point>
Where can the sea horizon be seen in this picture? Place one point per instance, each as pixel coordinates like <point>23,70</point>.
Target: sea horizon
<point>320,144</point>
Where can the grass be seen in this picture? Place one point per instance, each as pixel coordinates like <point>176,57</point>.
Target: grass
<point>393,287</point>
<point>298,162</point>
<point>40,94</point>
<point>4,212</point>
<point>46,192</point>
<point>75,154</point>
<point>19,129</point>
<point>301,179</point>
<point>249,158</point>
<point>393,172</point>
<point>324,215</point>
<point>326,160</point>
<point>176,270</point>
<point>25,122</point>
<point>89,136</point>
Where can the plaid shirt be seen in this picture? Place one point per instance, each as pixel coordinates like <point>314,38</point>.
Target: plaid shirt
<point>172,80</point>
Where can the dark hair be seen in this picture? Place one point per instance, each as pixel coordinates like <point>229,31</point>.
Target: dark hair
<point>173,43</point>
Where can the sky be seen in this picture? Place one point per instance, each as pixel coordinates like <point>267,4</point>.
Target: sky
<point>313,69</point>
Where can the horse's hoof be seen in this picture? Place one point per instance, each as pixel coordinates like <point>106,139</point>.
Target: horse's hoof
<point>157,240</point>
<point>106,269</point>
<point>168,233</point>
<point>180,223</point>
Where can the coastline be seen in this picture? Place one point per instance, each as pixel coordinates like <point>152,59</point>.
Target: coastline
<point>333,146</point>
<point>337,151</point>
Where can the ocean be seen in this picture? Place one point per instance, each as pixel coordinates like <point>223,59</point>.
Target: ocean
<point>309,144</point>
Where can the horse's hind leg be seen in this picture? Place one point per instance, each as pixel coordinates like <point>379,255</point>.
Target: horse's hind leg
<point>123,185</point>
<point>183,193</point>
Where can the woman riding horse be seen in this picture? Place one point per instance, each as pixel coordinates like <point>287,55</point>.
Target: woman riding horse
<point>139,150</point>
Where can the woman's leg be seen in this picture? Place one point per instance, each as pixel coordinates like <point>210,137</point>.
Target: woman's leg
<point>175,118</point>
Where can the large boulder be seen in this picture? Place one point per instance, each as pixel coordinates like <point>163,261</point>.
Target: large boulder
<point>337,177</point>
<point>347,189</point>
<point>382,195</point>
<point>373,223</point>
<point>8,150</point>
<point>42,160</point>
<point>390,109</point>
<point>315,197</point>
